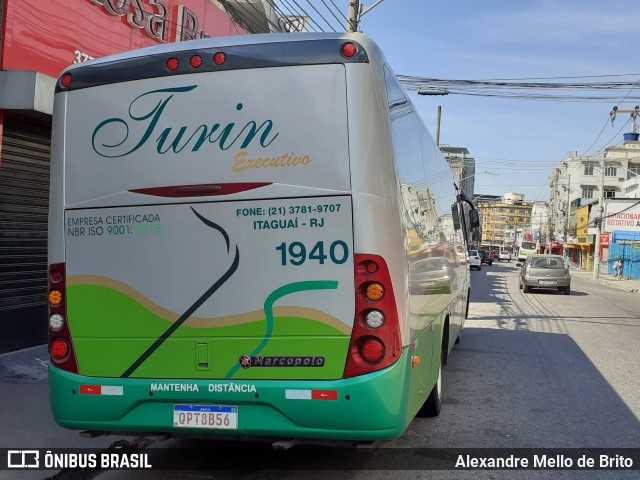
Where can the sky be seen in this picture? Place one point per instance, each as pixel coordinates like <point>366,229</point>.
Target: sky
<point>520,140</point>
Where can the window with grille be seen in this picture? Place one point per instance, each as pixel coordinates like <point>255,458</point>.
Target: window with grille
<point>587,192</point>
<point>588,169</point>
<point>610,171</point>
<point>609,193</point>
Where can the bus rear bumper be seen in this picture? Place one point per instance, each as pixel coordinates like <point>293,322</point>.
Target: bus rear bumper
<point>368,407</point>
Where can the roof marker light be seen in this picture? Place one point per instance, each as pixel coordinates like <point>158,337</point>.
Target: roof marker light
<point>219,58</point>
<point>172,64</point>
<point>195,61</point>
<point>349,49</point>
<point>65,81</point>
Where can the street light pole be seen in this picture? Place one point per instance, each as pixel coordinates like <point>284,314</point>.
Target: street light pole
<point>596,254</point>
<point>431,92</point>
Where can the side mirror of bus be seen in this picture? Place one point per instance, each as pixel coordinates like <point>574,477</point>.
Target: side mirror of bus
<point>455,216</point>
<point>474,219</point>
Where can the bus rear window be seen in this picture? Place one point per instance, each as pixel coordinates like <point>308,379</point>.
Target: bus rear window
<point>214,127</point>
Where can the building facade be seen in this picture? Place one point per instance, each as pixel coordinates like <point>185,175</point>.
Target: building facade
<point>506,221</point>
<point>463,166</point>
<point>581,187</point>
<point>39,39</point>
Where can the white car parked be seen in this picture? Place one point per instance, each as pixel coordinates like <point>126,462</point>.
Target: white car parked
<point>504,255</point>
<point>474,260</point>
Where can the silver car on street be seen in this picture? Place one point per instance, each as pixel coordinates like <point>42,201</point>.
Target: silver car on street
<point>545,271</point>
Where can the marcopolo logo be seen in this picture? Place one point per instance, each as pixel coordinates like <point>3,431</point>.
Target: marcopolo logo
<point>23,459</point>
<point>247,361</point>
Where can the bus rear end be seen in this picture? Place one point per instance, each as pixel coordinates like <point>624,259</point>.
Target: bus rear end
<point>203,273</point>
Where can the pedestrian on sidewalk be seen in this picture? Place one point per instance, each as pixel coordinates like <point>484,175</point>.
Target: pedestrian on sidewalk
<point>618,266</point>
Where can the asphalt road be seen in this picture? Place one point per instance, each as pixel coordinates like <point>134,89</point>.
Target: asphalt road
<point>537,370</point>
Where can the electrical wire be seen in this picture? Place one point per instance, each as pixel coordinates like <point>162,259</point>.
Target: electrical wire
<point>331,12</point>
<point>525,89</point>
<point>321,16</point>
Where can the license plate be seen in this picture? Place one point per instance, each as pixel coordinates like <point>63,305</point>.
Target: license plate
<point>547,282</point>
<point>214,417</point>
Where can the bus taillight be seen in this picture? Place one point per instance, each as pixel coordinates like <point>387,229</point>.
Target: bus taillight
<point>59,349</point>
<point>371,349</point>
<point>60,344</point>
<point>375,338</point>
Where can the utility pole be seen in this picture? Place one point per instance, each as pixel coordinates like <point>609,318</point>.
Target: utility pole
<point>596,254</point>
<point>352,16</point>
<point>567,211</point>
<point>635,113</point>
<point>356,12</point>
<point>438,127</point>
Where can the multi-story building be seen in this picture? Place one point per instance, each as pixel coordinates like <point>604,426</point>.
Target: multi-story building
<point>584,180</point>
<point>463,166</point>
<point>506,221</point>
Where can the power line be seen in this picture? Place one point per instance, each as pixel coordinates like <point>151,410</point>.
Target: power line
<point>525,89</point>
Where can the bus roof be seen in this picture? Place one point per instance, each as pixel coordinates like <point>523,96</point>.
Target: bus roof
<point>276,49</point>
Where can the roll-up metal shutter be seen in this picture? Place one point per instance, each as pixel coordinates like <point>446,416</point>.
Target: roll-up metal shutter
<point>24,202</point>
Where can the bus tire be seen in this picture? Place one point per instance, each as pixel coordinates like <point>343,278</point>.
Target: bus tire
<point>433,405</point>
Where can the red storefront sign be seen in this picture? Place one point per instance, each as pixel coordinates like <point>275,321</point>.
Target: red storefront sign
<point>48,36</point>
<point>604,239</point>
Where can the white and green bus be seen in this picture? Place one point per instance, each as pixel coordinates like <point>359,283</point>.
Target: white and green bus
<point>526,250</point>
<point>250,236</point>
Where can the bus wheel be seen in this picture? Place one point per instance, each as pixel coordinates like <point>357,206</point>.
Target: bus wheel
<point>433,405</point>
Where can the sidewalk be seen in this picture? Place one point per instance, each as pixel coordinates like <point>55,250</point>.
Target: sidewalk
<point>630,285</point>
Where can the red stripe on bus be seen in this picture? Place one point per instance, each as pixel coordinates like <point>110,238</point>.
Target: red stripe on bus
<point>324,394</point>
<point>90,390</point>
<point>204,190</point>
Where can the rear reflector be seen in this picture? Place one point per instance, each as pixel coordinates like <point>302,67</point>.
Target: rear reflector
<point>101,390</point>
<point>311,394</point>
